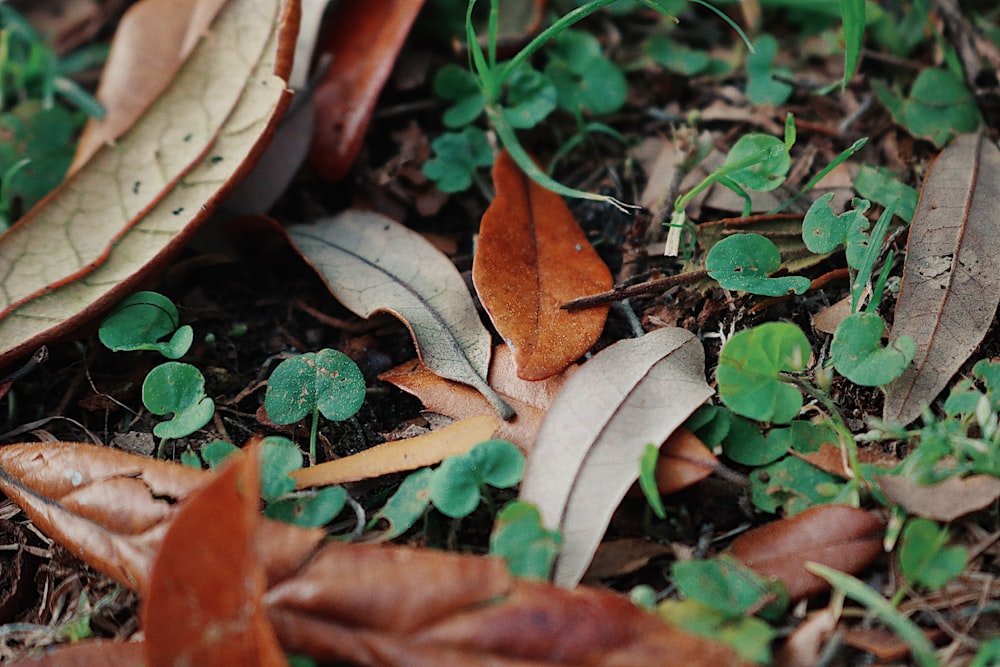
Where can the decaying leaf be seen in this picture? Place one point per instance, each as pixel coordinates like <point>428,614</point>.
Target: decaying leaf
<point>529,399</point>
<point>474,613</point>
<point>635,392</point>
<point>684,461</point>
<point>401,455</point>
<point>953,498</point>
<point>531,258</point>
<point>152,40</point>
<point>80,250</point>
<point>950,287</point>
<point>86,653</point>
<point>203,605</point>
<point>839,536</point>
<point>371,264</point>
<point>364,39</point>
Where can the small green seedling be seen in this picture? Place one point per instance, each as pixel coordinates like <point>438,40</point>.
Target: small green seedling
<point>458,155</point>
<point>750,371</point>
<point>405,506</point>
<point>823,231</point>
<point>938,108</point>
<point>177,389</point>
<point>680,59</point>
<point>519,537</point>
<point>144,321</point>
<point>859,355</point>
<point>327,382</point>
<point>721,596</point>
<point>278,458</point>
<point>647,480</point>
<point>924,558</point>
<point>585,81</point>
<point>793,485</point>
<point>745,262</point>
<point>882,187</point>
<point>762,85</point>
<point>456,488</point>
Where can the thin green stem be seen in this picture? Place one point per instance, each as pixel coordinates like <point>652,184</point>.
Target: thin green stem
<point>725,171</point>
<point>314,429</point>
<point>844,155</point>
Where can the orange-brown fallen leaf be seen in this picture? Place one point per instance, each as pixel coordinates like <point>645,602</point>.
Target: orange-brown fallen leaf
<point>87,654</point>
<point>531,258</point>
<point>684,461</point>
<point>458,401</point>
<point>203,605</point>
<point>401,455</point>
<point>846,538</point>
<point>364,39</point>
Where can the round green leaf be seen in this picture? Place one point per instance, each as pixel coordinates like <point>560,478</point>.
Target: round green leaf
<point>824,231</point>
<point>749,370</point>
<point>744,262</point>
<point>923,557</point>
<point>769,172</point>
<point>406,505</point>
<point>454,487</point>
<point>457,155</point>
<point>520,539</point>
<point>498,463</point>
<point>858,353</point>
<point>328,380</point>
<point>278,457</point>
<point>744,444</point>
<point>177,388</point>
<point>793,485</point>
<point>531,97</point>
<point>217,451</point>
<point>940,107</point>
<point>310,509</point>
<point>141,321</point>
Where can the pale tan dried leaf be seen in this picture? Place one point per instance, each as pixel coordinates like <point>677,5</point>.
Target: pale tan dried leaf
<point>152,40</point>
<point>634,393</point>
<point>372,264</point>
<point>109,242</point>
<point>950,289</point>
<point>953,498</point>
<point>401,455</point>
<point>529,399</point>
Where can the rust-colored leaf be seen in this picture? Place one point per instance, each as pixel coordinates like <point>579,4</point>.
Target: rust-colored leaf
<point>112,508</point>
<point>684,461</point>
<point>950,287</point>
<point>531,258</point>
<point>203,605</point>
<point>475,613</point>
<point>456,400</point>
<point>634,393</point>
<point>947,501</point>
<point>364,39</point>
<point>401,455</point>
<point>843,537</point>
<point>135,204</point>
<point>152,40</point>
<point>88,654</point>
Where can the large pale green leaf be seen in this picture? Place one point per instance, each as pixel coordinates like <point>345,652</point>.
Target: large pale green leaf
<point>81,249</point>
<point>372,264</point>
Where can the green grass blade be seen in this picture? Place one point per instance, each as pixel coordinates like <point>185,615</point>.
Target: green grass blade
<point>852,12</point>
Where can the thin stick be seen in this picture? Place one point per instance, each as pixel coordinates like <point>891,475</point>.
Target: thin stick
<point>642,289</point>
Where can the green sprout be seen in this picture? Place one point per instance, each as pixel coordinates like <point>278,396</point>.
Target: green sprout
<point>177,389</point>
<point>142,322</point>
<point>327,382</point>
<point>518,536</point>
<point>458,483</point>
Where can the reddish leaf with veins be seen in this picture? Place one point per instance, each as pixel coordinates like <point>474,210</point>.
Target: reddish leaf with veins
<point>531,258</point>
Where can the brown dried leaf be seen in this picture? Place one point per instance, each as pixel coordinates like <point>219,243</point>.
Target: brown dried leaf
<point>531,258</point>
<point>635,392</point>
<point>152,40</point>
<point>617,557</point>
<point>947,501</point>
<point>364,39</point>
<point>401,455</point>
<point>684,461</point>
<point>950,289</point>
<point>88,654</point>
<point>475,613</point>
<point>203,605</point>
<point>458,401</point>
<point>846,538</point>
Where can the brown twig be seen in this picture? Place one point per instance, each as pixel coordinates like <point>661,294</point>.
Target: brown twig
<point>642,289</point>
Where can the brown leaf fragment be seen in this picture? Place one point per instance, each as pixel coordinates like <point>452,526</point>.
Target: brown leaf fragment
<point>950,289</point>
<point>804,646</point>
<point>947,501</point>
<point>475,614</point>
<point>531,258</point>
<point>684,461</point>
<point>203,605</point>
<point>529,399</point>
<point>364,39</point>
<point>884,644</point>
<point>88,654</point>
<point>617,557</point>
<point>839,536</point>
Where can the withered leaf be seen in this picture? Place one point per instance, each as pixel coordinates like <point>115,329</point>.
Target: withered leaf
<point>372,263</point>
<point>839,536</point>
<point>531,258</point>
<point>88,653</point>
<point>529,399</point>
<point>364,39</point>
<point>635,392</point>
<point>950,289</point>
<point>203,605</point>
<point>684,461</point>
<point>946,501</point>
